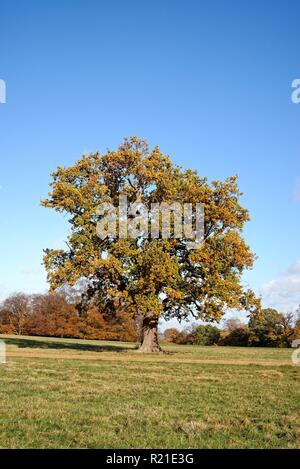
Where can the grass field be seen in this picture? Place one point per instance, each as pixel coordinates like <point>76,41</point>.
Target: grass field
<point>95,394</point>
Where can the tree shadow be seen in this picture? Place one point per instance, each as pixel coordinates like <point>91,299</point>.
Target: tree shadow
<point>45,344</point>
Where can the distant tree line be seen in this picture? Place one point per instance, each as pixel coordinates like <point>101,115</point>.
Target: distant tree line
<point>271,329</point>
<point>57,315</point>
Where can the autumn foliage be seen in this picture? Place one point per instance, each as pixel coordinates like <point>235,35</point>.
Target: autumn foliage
<point>150,278</point>
<point>270,329</point>
<point>51,315</point>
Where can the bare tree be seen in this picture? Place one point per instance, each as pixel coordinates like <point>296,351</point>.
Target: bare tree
<point>16,310</point>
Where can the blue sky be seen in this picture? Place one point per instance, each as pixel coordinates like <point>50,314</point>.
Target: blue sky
<point>210,82</point>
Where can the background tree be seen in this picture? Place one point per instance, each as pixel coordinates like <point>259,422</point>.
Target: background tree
<point>237,337</point>
<point>271,329</point>
<point>231,324</point>
<point>296,334</point>
<point>15,312</point>
<point>206,334</point>
<point>186,337</point>
<point>50,314</point>
<point>147,277</point>
<point>171,335</point>
<point>55,315</point>
<point>234,333</point>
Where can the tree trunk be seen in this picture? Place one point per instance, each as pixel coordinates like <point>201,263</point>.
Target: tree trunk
<point>149,339</point>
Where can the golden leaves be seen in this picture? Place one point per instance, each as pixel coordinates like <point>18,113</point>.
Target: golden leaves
<point>154,275</point>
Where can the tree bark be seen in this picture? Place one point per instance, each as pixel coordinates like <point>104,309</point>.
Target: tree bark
<point>149,337</point>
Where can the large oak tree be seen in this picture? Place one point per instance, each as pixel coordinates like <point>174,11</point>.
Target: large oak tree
<point>150,278</point>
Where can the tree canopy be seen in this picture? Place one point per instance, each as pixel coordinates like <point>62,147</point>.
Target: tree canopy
<point>271,329</point>
<point>150,278</point>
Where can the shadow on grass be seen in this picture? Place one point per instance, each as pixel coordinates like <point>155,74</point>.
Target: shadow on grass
<point>45,344</point>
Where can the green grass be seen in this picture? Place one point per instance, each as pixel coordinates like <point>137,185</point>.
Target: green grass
<point>95,394</point>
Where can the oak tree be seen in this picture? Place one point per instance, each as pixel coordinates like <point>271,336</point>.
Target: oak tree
<point>150,278</point>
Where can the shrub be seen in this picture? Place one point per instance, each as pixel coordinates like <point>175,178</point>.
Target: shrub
<point>206,335</point>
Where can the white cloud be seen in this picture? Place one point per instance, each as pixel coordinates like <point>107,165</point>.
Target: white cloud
<point>283,293</point>
<point>294,269</point>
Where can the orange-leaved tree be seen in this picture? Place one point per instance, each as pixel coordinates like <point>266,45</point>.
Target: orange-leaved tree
<point>144,276</point>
